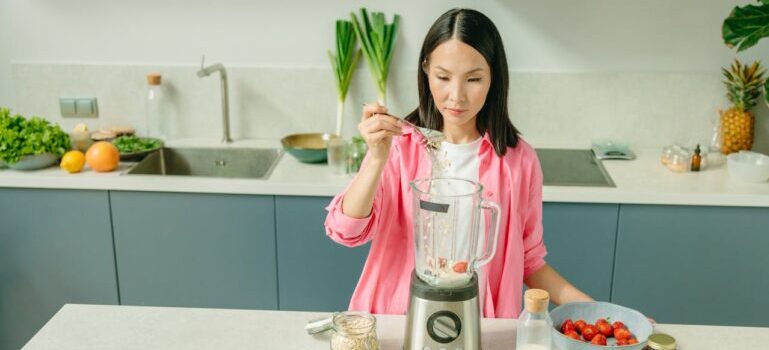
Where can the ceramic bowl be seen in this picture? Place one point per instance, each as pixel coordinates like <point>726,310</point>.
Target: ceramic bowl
<point>34,162</point>
<point>748,166</point>
<point>308,148</point>
<point>635,321</point>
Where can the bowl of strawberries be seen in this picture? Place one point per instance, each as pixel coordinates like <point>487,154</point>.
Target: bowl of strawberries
<point>596,325</point>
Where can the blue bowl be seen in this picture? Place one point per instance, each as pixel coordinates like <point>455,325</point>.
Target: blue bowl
<point>635,321</point>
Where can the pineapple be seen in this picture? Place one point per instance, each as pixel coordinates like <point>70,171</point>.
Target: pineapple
<point>743,86</point>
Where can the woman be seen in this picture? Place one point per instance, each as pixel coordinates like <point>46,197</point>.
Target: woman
<point>463,84</point>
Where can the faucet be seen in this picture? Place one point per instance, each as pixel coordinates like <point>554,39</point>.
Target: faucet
<point>206,71</point>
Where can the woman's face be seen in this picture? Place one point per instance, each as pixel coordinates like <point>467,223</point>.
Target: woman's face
<point>459,79</point>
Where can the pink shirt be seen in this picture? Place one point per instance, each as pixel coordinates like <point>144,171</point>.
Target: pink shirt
<point>513,181</point>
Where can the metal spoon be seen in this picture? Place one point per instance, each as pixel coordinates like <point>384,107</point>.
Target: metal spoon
<point>432,138</point>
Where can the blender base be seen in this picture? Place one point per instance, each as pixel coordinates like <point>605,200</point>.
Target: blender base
<point>443,318</point>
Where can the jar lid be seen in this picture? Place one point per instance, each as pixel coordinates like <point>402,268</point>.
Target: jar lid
<point>153,78</point>
<point>536,300</point>
<point>661,341</point>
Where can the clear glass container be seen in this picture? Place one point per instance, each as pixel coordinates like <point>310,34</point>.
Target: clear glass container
<point>158,118</point>
<point>356,152</point>
<point>447,213</point>
<point>354,330</point>
<point>534,330</point>
<point>336,152</point>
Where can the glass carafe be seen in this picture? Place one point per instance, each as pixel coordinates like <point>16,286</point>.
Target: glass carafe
<point>449,244</point>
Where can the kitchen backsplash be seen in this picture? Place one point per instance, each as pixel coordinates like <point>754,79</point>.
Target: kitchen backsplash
<point>551,109</point>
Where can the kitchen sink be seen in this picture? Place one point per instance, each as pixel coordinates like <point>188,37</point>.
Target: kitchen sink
<point>251,163</point>
<point>572,167</point>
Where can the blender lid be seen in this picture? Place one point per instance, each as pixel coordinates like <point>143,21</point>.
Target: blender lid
<point>423,290</point>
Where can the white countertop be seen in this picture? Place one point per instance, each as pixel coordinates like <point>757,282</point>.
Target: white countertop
<point>85,327</point>
<point>641,181</point>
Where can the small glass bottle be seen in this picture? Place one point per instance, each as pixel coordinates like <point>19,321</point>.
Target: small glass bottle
<point>660,341</point>
<point>154,120</point>
<point>354,331</point>
<point>696,159</point>
<point>534,324</point>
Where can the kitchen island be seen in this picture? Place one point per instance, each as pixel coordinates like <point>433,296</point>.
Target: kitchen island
<point>85,327</point>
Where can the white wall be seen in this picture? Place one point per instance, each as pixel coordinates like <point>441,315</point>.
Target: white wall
<point>6,88</point>
<point>634,46</point>
<point>541,35</point>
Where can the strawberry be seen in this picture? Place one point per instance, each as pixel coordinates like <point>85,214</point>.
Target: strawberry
<point>589,332</point>
<point>573,335</point>
<point>632,341</point>
<point>460,266</point>
<point>599,339</point>
<point>567,326</point>
<point>580,325</point>
<point>605,328</point>
<point>622,334</point>
<point>618,324</point>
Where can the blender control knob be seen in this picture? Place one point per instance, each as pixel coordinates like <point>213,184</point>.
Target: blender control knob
<point>444,326</point>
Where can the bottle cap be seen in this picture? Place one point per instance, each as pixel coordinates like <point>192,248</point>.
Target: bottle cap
<point>153,79</point>
<point>536,300</point>
<point>661,341</point>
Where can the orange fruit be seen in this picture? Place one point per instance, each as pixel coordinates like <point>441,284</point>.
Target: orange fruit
<point>102,157</point>
<point>73,161</point>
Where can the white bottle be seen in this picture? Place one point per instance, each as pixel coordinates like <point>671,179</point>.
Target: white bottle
<point>534,325</point>
<point>155,121</point>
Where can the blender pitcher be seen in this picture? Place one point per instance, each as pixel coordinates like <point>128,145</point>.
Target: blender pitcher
<point>447,215</point>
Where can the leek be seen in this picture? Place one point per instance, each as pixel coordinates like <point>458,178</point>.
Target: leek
<point>377,39</point>
<point>343,64</point>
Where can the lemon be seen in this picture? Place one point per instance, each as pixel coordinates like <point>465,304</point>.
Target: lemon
<point>73,161</point>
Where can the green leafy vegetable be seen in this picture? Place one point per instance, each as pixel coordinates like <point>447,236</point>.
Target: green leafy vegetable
<point>343,64</point>
<point>20,137</point>
<point>378,41</point>
<point>133,144</point>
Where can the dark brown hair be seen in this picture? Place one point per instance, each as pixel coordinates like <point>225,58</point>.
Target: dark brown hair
<point>475,29</point>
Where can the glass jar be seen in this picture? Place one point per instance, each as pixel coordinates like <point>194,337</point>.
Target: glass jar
<point>354,331</point>
<point>357,151</point>
<point>660,341</point>
<point>336,153</point>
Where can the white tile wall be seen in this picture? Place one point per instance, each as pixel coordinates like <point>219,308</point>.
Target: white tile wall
<point>551,109</point>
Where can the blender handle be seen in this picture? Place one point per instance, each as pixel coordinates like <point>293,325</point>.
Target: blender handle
<point>493,230</point>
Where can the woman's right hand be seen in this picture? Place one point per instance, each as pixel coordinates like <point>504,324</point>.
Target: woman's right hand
<point>377,129</point>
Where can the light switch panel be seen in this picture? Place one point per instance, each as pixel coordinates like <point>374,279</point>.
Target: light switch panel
<point>67,106</point>
<point>79,107</point>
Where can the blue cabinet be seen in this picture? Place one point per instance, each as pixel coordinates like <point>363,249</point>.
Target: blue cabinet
<point>315,273</point>
<point>195,250</point>
<point>580,242</point>
<point>696,265</point>
<point>55,248</point>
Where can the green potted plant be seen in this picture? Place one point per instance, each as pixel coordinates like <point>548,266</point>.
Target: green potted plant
<point>343,64</point>
<point>742,29</point>
<point>745,27</point>
<point>377,39</point>
<point>33,143</point>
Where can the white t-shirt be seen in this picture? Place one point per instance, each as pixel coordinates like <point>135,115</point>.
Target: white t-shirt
<point>463,160</point>
<point>462,163</point>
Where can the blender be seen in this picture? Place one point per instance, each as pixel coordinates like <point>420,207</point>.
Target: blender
<point>444,309</point>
